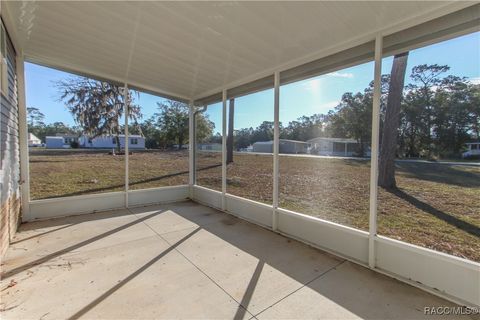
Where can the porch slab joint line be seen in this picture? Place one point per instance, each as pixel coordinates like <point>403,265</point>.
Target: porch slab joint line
<point>173,231</point>
<point>301,287</point>
<point>183,229</point>
<point>197,267</point>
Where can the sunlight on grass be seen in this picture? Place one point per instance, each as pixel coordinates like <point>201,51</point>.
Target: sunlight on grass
<point>436,206</point>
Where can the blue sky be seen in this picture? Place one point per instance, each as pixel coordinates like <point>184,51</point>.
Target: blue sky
<point>315,95</point>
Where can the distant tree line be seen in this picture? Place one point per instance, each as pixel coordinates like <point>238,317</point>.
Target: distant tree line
<point>97,108</point>
<point>168,128</point>
<point>37,126</point>
<point>438,114</point>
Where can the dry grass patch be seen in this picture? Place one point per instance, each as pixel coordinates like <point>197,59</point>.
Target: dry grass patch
<point>209,170</point>
<point>74,172</point>
<point>153,168</point>
<point>436,206</point>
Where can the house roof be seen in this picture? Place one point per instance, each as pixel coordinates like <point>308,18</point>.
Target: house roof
<point>281,140</point>
<point>293,141</point>
<point>61,136</point>
<point>342,140</point>
<point>120,135</point>
<point>66,135</point>
<point>130,135</point>
<point>193,50</point>
<point>31,136</point>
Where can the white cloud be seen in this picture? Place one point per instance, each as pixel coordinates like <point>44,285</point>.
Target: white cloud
<point>327,106</point>
<point>313,85</point>
<point>341,75</point>
<point>474,80</point>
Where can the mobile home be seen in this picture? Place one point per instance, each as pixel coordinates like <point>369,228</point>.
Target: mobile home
<point>340,147</point>
<point>110,142</point>
<point>60,141</point>
<point>473,149</point>
<point>286,146</point>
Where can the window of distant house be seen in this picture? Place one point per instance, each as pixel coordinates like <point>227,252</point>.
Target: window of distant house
<point>134,141</point>
<point>113,141</point>
<point>474,146</point>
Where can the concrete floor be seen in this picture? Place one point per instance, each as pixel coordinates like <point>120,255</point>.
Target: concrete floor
<point>186,260</point>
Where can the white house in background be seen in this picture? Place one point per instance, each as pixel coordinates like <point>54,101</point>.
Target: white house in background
<point>53,142</point>
<point>285,146</point>
<point>33,141</point>
<point>60,141</point>
<point>339,147</point>
<point>110,142</point>
<point>473,149</point>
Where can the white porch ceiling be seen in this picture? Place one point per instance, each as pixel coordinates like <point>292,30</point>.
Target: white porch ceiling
<point>191,49</point>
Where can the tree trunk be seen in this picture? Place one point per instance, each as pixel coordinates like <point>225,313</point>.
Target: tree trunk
<point>117,138</point>
<point>362,148</point>
<point>429,122</point>
<point>180,142</point>
<point>230,131</point>
<point>386,168</point>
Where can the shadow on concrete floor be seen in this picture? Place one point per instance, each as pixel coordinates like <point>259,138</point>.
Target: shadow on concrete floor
<point>335,285</point>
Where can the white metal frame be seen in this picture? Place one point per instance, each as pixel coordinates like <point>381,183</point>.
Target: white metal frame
<point>224,148</point>
<point>377,91</point>
<point>89,203</point>
<point>191,146</point>
<point>276,148</point>
<point>379,253</point>
<point>126,110</point>
<point>23,136</point>
<point>454,278</point>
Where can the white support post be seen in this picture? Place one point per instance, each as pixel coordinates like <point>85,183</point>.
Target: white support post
<point>23,137</point>
<point>126,102</point>
<point>224,148</point>
<point>191,148</point>
<point>276,147</point>
<point>374,152</point>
